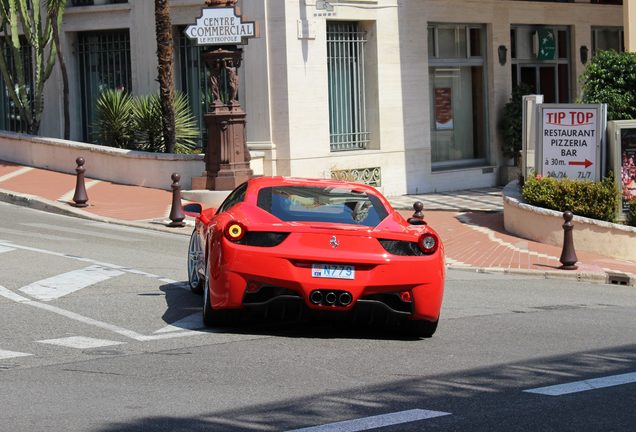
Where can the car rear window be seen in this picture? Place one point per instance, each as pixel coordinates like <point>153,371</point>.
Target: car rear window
<point>322,204</point>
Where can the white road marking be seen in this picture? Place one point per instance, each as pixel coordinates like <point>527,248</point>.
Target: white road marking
<point>585,385</point>
<point>58,286</point>
<point>86,233</point>
<point>80,342</point>
<point>191,322</point>
<point>15,173</point>
<point>374,422</point>
<point>12,354</point>
<point>4,249</point>
<point>4,292</point>
<point>23,233</point>
<point>68,196</point>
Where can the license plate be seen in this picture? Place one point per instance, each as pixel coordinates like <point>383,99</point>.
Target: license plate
<point>333,271</point>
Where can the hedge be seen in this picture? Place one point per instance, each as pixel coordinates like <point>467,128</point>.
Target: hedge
<point>596,200</point>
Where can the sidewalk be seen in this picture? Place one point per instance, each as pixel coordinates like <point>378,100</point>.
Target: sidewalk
<point>470,222</point>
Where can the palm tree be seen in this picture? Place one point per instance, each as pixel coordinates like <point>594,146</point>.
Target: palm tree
<point>163,27</point>
<point>55,12</point>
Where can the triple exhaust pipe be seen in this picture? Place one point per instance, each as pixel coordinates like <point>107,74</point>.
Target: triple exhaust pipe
<point>330,298</point>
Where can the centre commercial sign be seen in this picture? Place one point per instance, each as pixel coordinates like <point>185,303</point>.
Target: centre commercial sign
<point>221,26</point>
<point>570,139</point>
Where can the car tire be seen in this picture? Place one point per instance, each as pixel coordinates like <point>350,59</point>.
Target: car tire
<point>215,317</point>
<point>421,328</point>
<point>196,255</point>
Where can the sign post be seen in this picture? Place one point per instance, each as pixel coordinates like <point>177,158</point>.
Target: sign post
<point>569,141</point>
<point>227,158</point>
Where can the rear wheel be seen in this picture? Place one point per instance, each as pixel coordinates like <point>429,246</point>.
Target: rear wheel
<point>421,328</point>
<point>196,256</point>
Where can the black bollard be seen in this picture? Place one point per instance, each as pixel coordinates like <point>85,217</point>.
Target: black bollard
<point>176,213</point>
<point>568,255</point>
<point>80,197</point>
<point>418,216</point>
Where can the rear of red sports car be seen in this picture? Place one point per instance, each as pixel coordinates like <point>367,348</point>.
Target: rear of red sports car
<point>334,246</point>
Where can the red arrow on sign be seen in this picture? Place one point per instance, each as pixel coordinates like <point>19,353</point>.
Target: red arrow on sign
<point>586,164</point>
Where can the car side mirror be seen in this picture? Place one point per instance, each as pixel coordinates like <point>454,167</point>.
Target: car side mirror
<point>193,209</point>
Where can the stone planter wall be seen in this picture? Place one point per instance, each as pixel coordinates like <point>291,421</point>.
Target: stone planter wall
<point>545,226</point>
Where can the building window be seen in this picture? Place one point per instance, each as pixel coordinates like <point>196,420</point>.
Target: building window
<point>192,76</point>
<point>10,117</point>
<point>347,100</point>
<point>607,38</point>
<point>457,83</point>
<point>540,58</point>
<point>104,63</point>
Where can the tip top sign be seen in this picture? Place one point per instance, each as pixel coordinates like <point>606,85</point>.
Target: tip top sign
<point>570,138</point>
<point>221,26</point>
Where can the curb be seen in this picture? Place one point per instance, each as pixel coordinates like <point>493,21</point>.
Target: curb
<point>626,279</point>
<point>43,204</point>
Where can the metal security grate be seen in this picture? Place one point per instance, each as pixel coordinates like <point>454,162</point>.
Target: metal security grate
<point>104,61</point>
<point>10,118</point>
<point>347,102</point>
<point>194,80</point>
<point>93,2</point>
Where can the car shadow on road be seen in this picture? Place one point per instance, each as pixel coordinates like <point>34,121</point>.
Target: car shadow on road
<point>292,320</point>
<point>492,398</point>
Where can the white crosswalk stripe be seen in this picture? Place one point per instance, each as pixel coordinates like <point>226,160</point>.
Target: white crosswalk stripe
<point>375,422</point>
<point>585,385</point>
<point>4,249</point>
<point>80,342</point>
<point>4,355</point>
<point>66,283</point>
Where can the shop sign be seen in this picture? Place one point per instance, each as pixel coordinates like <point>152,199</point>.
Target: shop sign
<point>547,44</point>
<point>569,140</point>
<point>221,26</point>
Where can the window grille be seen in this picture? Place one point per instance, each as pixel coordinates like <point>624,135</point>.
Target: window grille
<point>347,104</point>
<point>10,118</point>
<point>92,2</point>
<point>104,62</point>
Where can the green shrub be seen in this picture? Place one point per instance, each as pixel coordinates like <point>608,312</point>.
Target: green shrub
<point>115,125</point>
<point>134,122</point>
<point>596,200</point>
<point>631,213</point>
<point>611,78</point>
<point>512,122</point>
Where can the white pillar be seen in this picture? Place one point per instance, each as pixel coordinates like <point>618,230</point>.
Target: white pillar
<point>629,24</point>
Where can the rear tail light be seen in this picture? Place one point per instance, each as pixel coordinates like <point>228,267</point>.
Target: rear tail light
<point>235,231</point>
<point>428,243</point>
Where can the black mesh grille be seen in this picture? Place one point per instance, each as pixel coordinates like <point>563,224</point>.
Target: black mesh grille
<point>399,247</point>
<point>263,239</point>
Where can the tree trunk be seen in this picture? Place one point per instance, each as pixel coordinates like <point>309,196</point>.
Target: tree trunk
<point>163,27</point>
<point>60,58</point>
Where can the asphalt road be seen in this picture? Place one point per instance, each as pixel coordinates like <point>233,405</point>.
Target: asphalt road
<point>99,333</point>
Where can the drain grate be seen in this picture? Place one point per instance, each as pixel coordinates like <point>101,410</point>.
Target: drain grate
<point>618,279</point>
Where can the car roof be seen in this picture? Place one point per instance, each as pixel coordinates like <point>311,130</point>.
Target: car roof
<point>262,182</point>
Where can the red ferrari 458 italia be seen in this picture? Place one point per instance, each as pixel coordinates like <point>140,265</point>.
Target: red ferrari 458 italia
<point>333,246</point>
